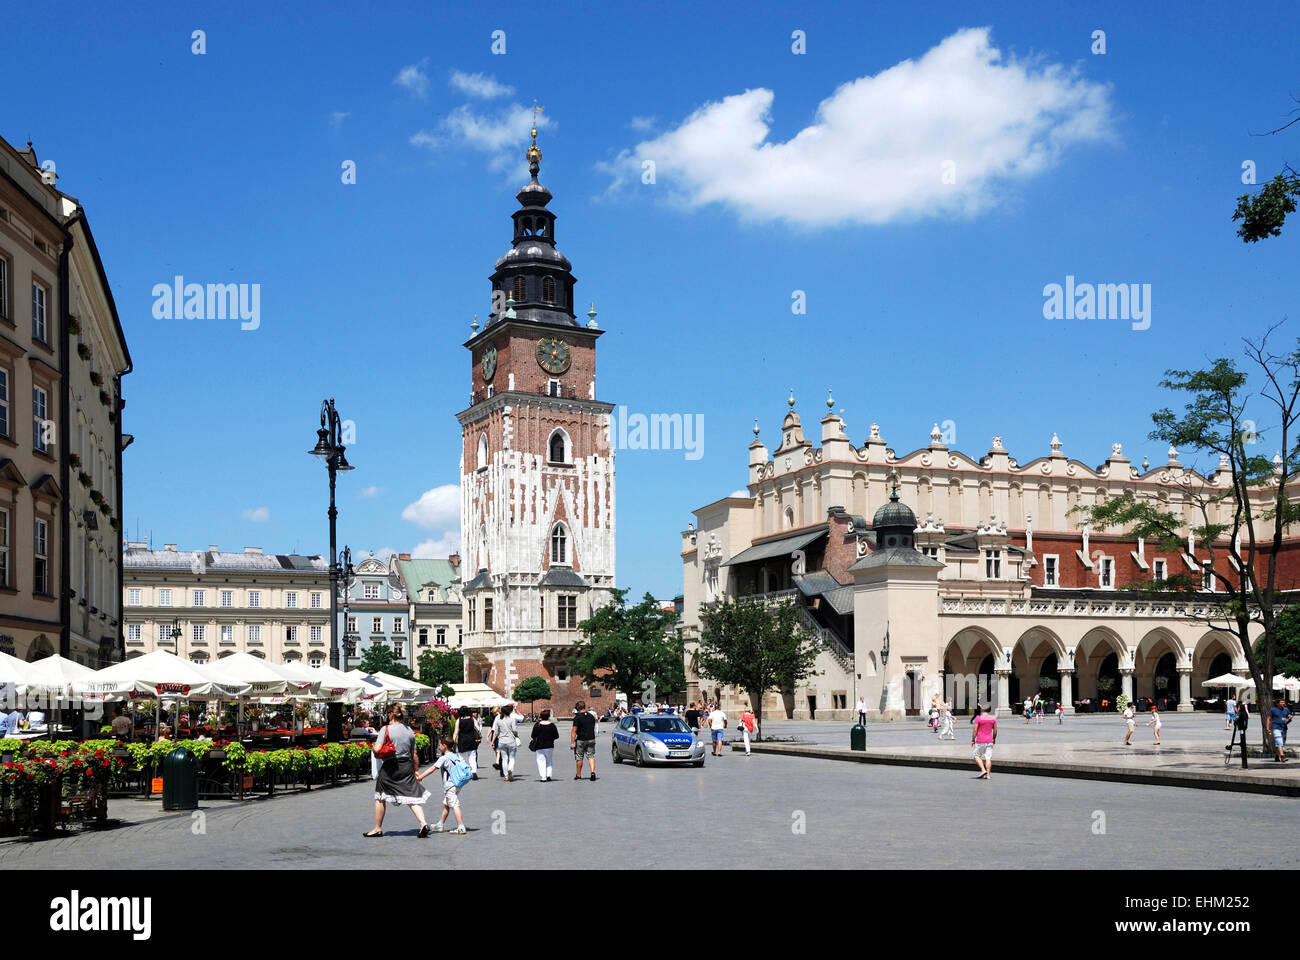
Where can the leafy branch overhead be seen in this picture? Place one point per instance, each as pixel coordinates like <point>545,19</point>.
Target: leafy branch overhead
<point>631,647</point>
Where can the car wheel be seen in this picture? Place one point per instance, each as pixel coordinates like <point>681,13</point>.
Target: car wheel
<point>614,754</point>
<point>640,761</point>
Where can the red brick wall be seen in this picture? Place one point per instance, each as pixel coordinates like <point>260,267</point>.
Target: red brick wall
<point>517,354</point>
<point>566,692</point>
<point>841,550</point>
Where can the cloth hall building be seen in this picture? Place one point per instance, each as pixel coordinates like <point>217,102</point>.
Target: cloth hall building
<point>935,572</point>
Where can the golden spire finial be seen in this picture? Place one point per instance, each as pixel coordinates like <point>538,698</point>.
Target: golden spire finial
<point>537,108</point>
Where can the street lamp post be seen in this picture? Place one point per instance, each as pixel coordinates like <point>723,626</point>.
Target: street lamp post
<point>329,447</point>
<point>349,645</point>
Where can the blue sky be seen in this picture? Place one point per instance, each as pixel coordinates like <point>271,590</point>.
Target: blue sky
<point>775,172</point>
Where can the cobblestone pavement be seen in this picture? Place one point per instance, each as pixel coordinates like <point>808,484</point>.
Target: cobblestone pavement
<point>761,811</point>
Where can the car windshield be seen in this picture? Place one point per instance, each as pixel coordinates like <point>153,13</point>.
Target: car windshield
<point>664,725</point>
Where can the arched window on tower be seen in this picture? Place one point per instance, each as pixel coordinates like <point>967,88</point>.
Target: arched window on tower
<point>559,544</point>
<point>520,288</point>
<point>548,289</point>
<point>482,451</point>
<point>789,517</point>
<point>557,447</point>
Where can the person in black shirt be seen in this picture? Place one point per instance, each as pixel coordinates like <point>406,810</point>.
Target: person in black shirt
<point>545,733</point>
<point>583,738</point>
<point>693,718</point>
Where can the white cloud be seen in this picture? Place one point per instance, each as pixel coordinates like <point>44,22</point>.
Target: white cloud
<point>257,514</point>
<point>369,492</point>
<point>413,78</point>
<point>642,123</point>
<point>439,547</point>
<point>479,85</point>
<point>877,149</point>
<point>337,118</point>
<point>437,509</point>
<point>739,493</point>
<point>501,134</point>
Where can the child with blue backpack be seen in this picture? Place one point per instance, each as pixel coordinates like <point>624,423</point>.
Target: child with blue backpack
<point>455,774</point>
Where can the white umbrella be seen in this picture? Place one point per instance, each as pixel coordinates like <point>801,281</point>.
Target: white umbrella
<point>411,689</point>
<point>259,677</point>
<point>332,686</point>
<point>13,670</point>
<point>475,695</point>
<point>1229,680</point>
<point>156,674</point>
<point>1282,682</point>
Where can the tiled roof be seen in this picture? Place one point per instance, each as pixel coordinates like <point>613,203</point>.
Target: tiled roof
<point>202,561</point>
<point>563,577</point>
<point>417,573</point>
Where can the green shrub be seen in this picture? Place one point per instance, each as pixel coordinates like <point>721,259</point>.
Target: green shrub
<point>1121,702</point>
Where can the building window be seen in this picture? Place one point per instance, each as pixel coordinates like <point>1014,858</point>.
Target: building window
<point>519,289</point>
<point>548,289</point>
<point>254,633</point>
<point>4,288</point>
<point>487,613</point>
<point>227,598</point>
<point>290,634</point>
<point>561,673</point>
<point>473,613</point>
<point>41,551</point>
<point>1160,570</point>
<point>397,649</point>
<point>315,661</point>
<point>39,297</point>
<point>4,401</point>
<point>291,600</point>
<point>460,636</point>
<point>557,448</point>
<point>352,625</point>
<point>1106,573</point>
<point>133,633</point>
<point>317,634</point>
<point>164,597</point>
<point>133,597</point>
<point>440,637</point>
<point>1207,576</point>
<point>559,544</point>
<point>568,612</point>
<point>992,564</point>
<point>433,596</point>
<point>482,451</point>
<point>424,636</point>
<point>1049,570</point>
<point>198,632</point>
<point>40,417</point>
<point>4,548</point>
<point>371,591</point>
<point>376,624</point>
<point>165,634</point>
<point>254,598</point>
<point>398,624</point>
<point>553,388</point>
<point>200,598</point>
<point>227,633</point>
<point>316,600</point>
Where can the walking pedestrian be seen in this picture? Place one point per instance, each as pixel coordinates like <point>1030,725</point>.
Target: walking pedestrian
<point>1029,710</point>
<point>1278,719</point>
<point>747,727</point>
<point>545,733</point>
<point>983,735</point>
<point>1231,713</point>
<point>505,730</point>
<point>1060,713</point>
<point>693,718</point>
<point>717,729</point>
<point>582,739</point>
<point>492,741</point>
<point>468,735</point>
<point>1130,718</point>
<point>1155,722</point>
<point>446,762</point>
<point>396,781</point>
<point>862,710</point>
<point>945,722</point>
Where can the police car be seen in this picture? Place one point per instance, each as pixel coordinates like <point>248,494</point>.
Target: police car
<point>646,738</point>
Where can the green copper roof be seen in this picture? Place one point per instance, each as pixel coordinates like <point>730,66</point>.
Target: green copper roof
<point>416,573</point>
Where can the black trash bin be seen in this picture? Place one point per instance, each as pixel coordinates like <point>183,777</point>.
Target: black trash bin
<point>858,737</point>
<point>180,774</point>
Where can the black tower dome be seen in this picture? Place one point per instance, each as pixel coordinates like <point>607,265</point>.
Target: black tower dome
<point>894,523</point>
<point>533,279</point>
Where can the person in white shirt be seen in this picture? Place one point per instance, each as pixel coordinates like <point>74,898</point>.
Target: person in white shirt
<point>1129,714</point>
<point>862,710</point>
<point>36,720</point>
<point>718,729</point>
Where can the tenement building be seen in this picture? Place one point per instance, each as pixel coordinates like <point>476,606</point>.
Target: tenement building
<point>537,474</point>
<point>375,606</point>
<point>433,584</point>
<point>205,604</point>
<point>936,572</point>
<point>62,359</point>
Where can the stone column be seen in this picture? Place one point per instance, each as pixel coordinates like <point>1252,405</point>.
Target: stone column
<point>1126,682</point>
<point>1067,691</point>
<point>1004,694</point>
<point>1184,690</point>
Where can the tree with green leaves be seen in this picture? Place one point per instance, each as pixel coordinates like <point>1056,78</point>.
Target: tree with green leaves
<point>440,669</point>
<point>1263,214</point>
<point>1286,659</point>
<point>379,658</point>
<point>532,689</point>
<point>755,646</point>
<point>1242,514</point>
<point>631,648</point>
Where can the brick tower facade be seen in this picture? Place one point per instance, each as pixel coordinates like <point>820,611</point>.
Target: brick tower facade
<point>537,470</point>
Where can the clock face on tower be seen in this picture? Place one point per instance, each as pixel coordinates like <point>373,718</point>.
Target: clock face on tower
<point>489,363</point>
<point>553,355</point>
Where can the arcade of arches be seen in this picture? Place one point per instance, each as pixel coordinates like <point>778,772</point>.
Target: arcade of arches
<point>1094,669</point>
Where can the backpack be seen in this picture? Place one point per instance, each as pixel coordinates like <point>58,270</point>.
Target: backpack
<point>459,772</point>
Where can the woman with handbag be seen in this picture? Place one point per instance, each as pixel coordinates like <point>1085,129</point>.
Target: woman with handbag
<point>505,731</point>
<point>468,735</point>
<point>394,748</point>
<point>545,733</point>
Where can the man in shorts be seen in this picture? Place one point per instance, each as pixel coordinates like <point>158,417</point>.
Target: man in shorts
<point>583,739</point>
<point>718,729</point>
<point>1130,718</point>
<point>984,733</point>
<point>1277,720</point>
